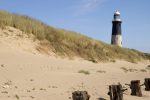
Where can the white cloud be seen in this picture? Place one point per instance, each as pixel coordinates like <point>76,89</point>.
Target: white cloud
<point>88,6</point>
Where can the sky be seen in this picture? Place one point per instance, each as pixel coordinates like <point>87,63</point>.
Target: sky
<point>92,18</point>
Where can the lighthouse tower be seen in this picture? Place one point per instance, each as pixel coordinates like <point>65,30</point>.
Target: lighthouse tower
<point>116,38</point>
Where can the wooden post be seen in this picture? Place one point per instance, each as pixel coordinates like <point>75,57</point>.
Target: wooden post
<point>136,88</point>
<point>80,95</point>
<point>115,92</point>
<point>147,84</point>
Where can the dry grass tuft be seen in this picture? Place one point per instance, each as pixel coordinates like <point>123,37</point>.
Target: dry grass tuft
<point>101,71</point>
<point>17,97</point>
<point>128,70</point>
<point>143,70</point>
<point>84,72</point>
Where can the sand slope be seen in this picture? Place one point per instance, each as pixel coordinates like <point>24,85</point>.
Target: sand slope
<point>26,74</point>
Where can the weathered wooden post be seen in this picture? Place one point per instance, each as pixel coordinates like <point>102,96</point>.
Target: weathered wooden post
<point>135,88</point>
<point>147,84</point>
<point>116,92</point>
<point>80,95</point>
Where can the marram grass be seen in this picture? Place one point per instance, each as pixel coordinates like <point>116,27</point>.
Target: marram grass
<point>70,44</point>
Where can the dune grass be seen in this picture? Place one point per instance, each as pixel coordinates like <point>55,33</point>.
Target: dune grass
<point>70,44</point>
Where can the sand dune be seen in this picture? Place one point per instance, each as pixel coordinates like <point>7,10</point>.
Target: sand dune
<point>26,74</point>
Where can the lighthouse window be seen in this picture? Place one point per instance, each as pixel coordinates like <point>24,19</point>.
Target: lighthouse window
<point>116,17</point>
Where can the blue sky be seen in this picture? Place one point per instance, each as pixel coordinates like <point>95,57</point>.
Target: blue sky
<point>91,17</point>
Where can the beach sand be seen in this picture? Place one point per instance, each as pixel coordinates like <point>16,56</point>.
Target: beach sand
<point>25,74</point>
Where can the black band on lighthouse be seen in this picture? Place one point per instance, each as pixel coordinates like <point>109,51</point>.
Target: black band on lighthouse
<point>116,29</point>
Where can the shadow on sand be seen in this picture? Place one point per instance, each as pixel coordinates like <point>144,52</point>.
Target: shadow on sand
<point>101,99</point>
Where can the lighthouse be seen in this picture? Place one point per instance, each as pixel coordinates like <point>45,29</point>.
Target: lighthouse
<point>116,38</point>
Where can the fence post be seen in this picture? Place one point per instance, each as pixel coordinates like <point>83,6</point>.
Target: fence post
<point>147,84</point>
<point>136,88</point>
<point>116,92</point>
<point>80,95</point>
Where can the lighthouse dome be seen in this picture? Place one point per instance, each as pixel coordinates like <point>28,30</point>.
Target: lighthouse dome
<point>117,13</point>
<point>117,16</point>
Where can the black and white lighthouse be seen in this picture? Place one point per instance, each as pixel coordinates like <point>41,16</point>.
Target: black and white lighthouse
<point>116,38</point>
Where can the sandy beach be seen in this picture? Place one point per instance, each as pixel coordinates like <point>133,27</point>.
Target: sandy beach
<point>25,74</point>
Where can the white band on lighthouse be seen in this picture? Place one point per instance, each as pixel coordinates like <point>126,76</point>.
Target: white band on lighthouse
<point>117,40</point>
